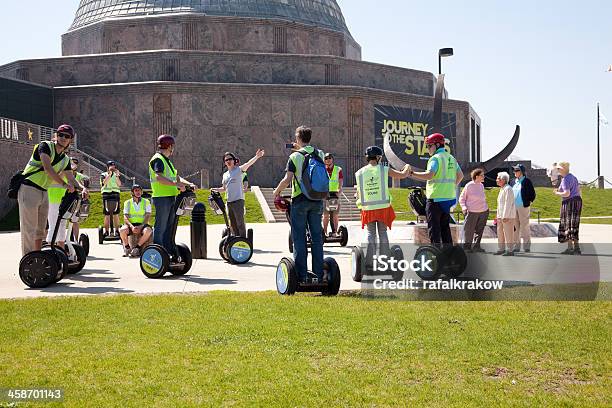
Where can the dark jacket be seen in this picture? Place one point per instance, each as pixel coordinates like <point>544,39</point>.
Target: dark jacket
<point>528,194</point>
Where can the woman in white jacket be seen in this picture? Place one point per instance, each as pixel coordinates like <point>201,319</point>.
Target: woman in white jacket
<point>506,214</point>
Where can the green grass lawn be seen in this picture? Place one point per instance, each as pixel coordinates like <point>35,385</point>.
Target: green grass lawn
<point>595,203</point>
<point>232,349</point>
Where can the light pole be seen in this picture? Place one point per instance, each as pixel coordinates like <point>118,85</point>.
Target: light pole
<point>443,52</point>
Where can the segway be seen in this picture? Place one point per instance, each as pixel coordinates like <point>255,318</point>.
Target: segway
<point>82,215</point>
<point>287,282</point>
<point>361,268</point>
<point>233,249</point>
<point>155,260</point>
<point>111,205</point>
<point>450,261</point>
<point>39,269</point>
<point>332,205</point>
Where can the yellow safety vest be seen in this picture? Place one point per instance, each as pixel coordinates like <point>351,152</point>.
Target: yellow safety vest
<point>334,180</point>
<point>159,189</point>
<point>443,183</point>
<point>112,186</point>
<point>372,185</point>
<point>41,178</point>
<point>134,215</point>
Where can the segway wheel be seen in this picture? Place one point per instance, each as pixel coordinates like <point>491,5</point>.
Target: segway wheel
<point>154,261</point>
<point>343,231</point>
<point>62,260</point>
<point>100,235</point>
<point>250,236</point>
<point>286,277</point>
<point>239,250</point>
<point>425,253</point>
<point>84,242</point>
<point>398,254</point>
<point>455,262</point>
<point>81,259</point>
<point>222,249</point>
<point>187,258</point>
<point>290,243</point>
<point>39,269</point>
<point>333,277</point>
<point>357,265</point>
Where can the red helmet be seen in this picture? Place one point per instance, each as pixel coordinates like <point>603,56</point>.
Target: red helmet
<point>435,138</point>
<point>282,204</point>
<point>165,141</point>
<point>67,130</point>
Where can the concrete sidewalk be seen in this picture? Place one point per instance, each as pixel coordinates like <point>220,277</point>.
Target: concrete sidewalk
<point>107,272</point>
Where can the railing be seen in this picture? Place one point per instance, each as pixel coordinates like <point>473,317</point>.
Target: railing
<point>129,173</point>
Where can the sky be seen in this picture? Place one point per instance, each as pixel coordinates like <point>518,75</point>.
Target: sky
<point>541,64</point>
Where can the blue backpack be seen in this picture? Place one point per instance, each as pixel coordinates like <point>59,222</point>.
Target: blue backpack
<point>315,179</point>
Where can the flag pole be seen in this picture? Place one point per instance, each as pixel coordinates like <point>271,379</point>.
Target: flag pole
<point>600,179</point>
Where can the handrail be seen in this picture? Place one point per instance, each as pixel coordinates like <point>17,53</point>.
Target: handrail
<point>126,170</point>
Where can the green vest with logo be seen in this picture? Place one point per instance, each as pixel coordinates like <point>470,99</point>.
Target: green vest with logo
<point>137,216</point>
<point>442,185</point>
<point>159,189</point>
<point>373,187</point>
<point>112,186</point>
<point>42,179</point>
<point>298,161</point>
<point>334,180</point>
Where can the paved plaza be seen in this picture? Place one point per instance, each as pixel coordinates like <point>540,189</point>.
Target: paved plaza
<point>107,272</point>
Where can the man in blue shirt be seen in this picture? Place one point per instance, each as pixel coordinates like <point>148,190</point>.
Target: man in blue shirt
<point>524,195</point>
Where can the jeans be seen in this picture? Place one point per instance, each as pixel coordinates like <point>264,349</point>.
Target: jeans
<point>377,241</point>
<point>164,220</point>
<point>438,224</point>
<point>305,212</point>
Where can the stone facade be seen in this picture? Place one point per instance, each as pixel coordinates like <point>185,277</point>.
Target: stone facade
<point>220,67</point>
<point>208,33</point>
<point>208,119</point>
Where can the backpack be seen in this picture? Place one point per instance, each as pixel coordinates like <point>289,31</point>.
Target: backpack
<point>314,182</point>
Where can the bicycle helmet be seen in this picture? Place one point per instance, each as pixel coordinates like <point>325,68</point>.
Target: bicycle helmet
<point>282,204</point>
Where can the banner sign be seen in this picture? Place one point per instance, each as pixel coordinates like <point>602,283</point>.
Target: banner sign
<point>16,131</point>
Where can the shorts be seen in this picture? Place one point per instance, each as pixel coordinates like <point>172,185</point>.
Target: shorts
<point>136,224</point>
<point>332,195</point>
<point>107,196</point>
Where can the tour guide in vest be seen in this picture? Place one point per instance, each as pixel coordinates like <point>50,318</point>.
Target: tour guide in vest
<point>136,214</point>
<point>165,183</point>
<point>443,174</point>
<point>47,164</point>
<point>374,199</point>
<point>110,182</point>
<point>336,179</point>
<point>303,210</point>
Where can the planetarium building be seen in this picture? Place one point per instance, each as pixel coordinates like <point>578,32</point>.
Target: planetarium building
<point>235,75</point>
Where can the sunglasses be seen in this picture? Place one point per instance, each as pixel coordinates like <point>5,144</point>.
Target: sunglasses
<point>64,135</point>
<point>228,160</point>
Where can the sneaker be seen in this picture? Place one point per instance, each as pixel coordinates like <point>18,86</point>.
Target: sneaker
<point>135,253</point>
<point>577,251</point>
<point>527,250</point>
<point>509,253</point>
<point>105,233</point>
<point>567,252</point>
<point>126,251</point>
<point>500,252</point>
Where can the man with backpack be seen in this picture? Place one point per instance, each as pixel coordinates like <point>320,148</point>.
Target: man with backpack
<point>309,181</point>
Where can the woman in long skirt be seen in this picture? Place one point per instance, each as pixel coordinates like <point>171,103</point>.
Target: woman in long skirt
<point>571,209</point>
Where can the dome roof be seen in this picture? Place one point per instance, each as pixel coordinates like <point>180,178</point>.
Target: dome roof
<point>321,13</point>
